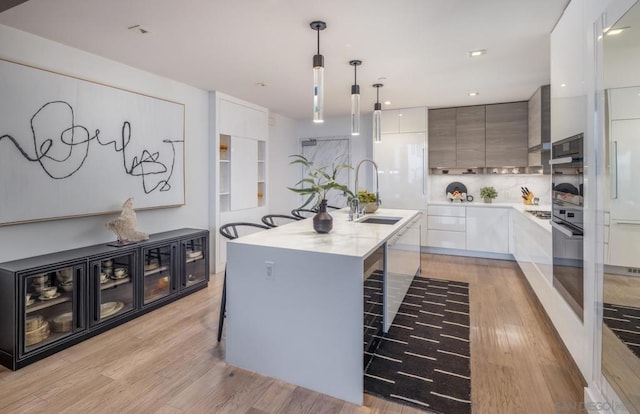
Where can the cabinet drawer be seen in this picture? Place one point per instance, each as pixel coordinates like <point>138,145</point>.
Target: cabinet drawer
<point>448,239</point>
<point>452,211</point>
<point>446,223</point>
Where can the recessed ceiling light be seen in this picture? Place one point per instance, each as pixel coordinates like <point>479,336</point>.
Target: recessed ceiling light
<point>399,114</point>
<point>562,85</point>
<point>476,53</point>
<point>381,78</point>
<point>387,102</point>
<point>474,93</point>
<point>262,84</point>
<point>138,29</point>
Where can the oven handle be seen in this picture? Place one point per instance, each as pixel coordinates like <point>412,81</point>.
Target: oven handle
<point>563,160</point>
<point>634,222</point>
<point>565,230</point>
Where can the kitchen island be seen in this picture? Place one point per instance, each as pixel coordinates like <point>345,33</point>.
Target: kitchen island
<point>295,306</point>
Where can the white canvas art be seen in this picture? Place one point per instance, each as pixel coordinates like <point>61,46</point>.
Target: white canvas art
<point>70,147</point>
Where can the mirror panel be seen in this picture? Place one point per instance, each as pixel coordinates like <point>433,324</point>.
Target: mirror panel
<point>621,286</point>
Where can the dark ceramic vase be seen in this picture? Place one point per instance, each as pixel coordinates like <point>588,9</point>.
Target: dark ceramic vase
<point>322,221</point>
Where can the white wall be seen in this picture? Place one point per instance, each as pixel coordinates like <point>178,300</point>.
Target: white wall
<point>26,240</point>
<point>507,186</point>
<point>361,146</point>
<point>282,143</point>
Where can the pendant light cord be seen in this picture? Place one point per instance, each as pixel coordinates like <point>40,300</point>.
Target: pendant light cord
<point>318,30</point>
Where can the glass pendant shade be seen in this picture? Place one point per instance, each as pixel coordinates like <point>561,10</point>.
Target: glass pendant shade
<point>355,113</point>
<point>377,115</point>
<point>377,125</point>
<point>318,76</point>
<point>318,94</point>
<point>355,99</point>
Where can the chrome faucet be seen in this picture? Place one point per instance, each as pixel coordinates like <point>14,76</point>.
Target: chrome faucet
<point>354,206</point>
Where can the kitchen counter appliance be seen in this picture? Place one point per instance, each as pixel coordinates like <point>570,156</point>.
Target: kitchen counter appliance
<point>567,220</point>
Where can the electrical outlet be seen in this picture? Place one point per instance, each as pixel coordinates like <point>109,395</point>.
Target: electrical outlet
<point>270,272</point>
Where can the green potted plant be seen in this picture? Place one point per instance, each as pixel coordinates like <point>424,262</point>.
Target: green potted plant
<point>488,193</point>
<point>316,185</point>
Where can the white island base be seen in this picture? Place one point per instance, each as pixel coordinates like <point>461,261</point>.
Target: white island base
<point>302,322</point>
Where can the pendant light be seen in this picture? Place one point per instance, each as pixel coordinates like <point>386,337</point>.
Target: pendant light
<point>318,77</point>
<point>355,99</point>
<point>377,115</point>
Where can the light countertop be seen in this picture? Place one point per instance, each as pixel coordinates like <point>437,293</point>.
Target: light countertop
<point>348,238</point>
<point>516,206</point>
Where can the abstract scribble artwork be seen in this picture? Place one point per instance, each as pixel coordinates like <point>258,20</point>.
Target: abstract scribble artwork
<point>70,147</point>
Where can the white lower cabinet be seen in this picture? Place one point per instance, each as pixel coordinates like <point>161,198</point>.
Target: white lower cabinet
<point>446,226</point>
<point>532,249</point>
<point>403,263</point>
<point>488,229</point>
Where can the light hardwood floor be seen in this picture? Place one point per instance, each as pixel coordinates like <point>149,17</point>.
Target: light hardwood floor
<point>168,361</point>
<point>620,365</point>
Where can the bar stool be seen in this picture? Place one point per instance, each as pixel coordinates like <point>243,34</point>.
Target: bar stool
<point>232,231</point>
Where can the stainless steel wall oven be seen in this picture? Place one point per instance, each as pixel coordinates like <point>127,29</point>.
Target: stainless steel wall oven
<point>567,197</point>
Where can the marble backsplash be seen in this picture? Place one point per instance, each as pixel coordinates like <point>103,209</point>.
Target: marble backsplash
<point>507,186</point>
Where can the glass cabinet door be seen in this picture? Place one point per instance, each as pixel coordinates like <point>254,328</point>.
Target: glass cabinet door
<point>113,286</point>
<point>158,271</point>
<point>51,306</point>
<point>194,261</point>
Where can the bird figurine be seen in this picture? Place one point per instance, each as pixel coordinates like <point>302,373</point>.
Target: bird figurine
<point>124,226</point>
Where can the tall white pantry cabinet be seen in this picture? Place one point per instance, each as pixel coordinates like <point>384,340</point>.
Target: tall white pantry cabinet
<point>624,200</point>
<point>238,173</point>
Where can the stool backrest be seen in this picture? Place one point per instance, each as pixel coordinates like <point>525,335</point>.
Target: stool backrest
<point>275,220</point>
<point>234,230</point>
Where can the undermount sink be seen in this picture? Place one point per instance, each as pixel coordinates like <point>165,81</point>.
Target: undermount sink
<point>380,220</point>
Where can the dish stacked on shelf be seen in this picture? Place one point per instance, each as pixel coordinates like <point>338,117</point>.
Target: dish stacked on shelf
<point>36,330</point>
<point>119,273</point>
<point>65,279</point>
<point>107,268</point>
<point>110,308</point>
<point>43,288</point>
<point>194,254</point>
<point>39,283</point>
<point>151,266</point>
<point>62,323</point>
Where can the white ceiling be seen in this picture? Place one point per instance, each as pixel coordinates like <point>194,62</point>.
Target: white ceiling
<point>420,46</point>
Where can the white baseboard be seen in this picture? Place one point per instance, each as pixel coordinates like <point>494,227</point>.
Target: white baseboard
<point>603,401</point>
<point>467,253</point>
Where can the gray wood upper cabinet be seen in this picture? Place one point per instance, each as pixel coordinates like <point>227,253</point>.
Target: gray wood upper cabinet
<point>442,138</point>
<point>506,134</point>
<point>470,136</point>
<point>539,127</point>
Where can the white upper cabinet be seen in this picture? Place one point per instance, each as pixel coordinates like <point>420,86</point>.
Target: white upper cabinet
<point>624,103</point>
<point>404,120</point>
<point>241,121</point>
<point>568,90</point>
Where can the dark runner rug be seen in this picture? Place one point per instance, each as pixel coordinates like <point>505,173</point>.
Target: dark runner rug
<point>424,360</point>
<point>624,321</point>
